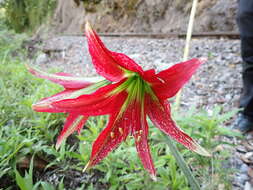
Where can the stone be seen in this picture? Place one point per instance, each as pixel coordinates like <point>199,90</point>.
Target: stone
<point>41,58</point>
<point>248,186</point>
<point>244,168</point>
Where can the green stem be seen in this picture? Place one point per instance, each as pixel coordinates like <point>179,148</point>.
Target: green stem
<point>182,164</point>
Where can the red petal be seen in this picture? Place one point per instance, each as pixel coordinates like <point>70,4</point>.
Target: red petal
<point>104,64</point>
<point>159,113</point>
<point>141,141</point>
<point>97,103</point>
<point>173,79</point>
<point>74,122</point>
<point>143,150</point>
<point>115,132</point>
<point>64,79</point>
<point>45,105</point>
<point>120,125</point>
<point>64,74</point>
<point>101,107</point>
<point>149,73</point>
<point>126,62</point>
<point>150,77</point>
<point>109,64</point>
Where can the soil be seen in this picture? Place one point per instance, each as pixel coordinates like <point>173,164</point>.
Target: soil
<point>217,82</point>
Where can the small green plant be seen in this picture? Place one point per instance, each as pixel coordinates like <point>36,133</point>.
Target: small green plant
<point>208,127</point>
<point>26,182</point>
<point>48,186</point>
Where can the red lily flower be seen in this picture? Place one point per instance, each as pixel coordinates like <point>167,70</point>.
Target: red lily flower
<point>129,96</point>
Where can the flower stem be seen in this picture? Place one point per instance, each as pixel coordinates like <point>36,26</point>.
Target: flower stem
<point>187,45</point>
<point>182,164</point>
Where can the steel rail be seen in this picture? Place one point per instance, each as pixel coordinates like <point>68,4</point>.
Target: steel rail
<point>229,35</point>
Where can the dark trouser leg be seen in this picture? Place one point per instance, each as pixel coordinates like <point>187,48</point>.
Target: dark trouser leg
<point>245,23</point>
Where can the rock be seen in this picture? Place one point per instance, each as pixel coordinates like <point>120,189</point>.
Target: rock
<point>247,158</point>
<point>250,172</point>
<point>248,155</point>
<point>142,16</point>
<point>242,178</point>
<point>244,168</point>
<point>248,145</point>
<point>248,186</point>
<point>241,149</point>
<point>41,58</point>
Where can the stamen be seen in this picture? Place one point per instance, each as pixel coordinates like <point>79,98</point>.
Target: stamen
<point>121,131</point>
<point>138,138</point>
<point>87,165</point>
<point>112,135</point>
<point>160,79</point>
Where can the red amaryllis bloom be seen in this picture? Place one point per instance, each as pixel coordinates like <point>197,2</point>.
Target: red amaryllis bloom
<point>128,95</point>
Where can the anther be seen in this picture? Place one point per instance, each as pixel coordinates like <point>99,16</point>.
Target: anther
<point>112,134</point>
<point>138,138</point>
<point>121,131</point>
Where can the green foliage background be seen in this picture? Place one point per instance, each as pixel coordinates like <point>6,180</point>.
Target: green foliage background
<point>25,15</point>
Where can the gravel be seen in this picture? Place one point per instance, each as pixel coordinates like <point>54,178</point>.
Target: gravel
<point>217,82</point>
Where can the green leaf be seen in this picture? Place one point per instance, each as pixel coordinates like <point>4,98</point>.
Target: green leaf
<point>47,186</point>
<point>229,132</point>
<point>182,164</point>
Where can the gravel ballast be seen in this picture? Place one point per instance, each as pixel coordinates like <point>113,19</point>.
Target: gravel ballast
<point>217,82</point>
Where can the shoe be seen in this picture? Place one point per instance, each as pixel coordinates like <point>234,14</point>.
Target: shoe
<point>243,124</point>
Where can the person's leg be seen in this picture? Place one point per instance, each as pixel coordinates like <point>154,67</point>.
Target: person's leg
<point>245,23</point>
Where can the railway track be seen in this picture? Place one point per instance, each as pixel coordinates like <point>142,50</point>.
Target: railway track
<point>228,35</point>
